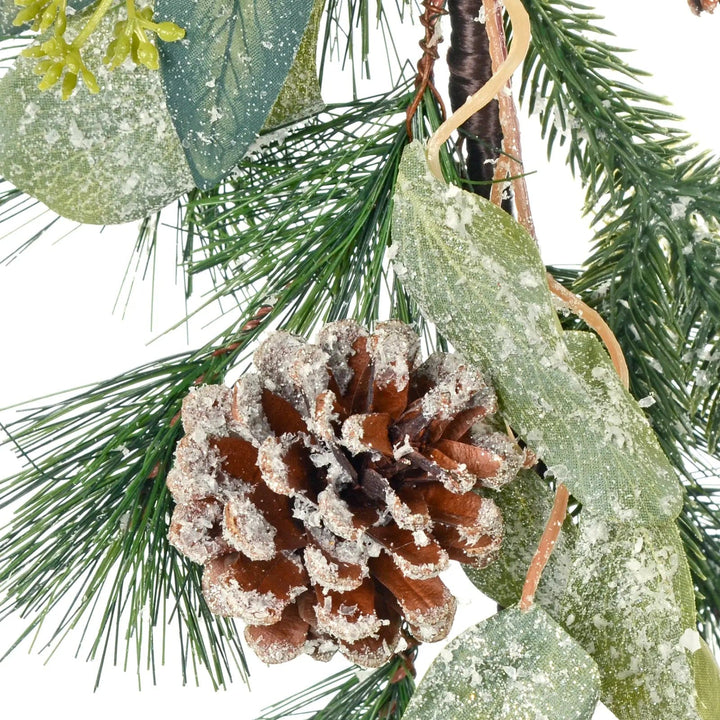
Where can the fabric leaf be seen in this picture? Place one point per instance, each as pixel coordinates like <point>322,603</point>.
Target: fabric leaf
<point>630,597</point>
<point>300,96</point>
<point>624,592</point>
<point>222,81</point>
<point>513,666</point>
<point>478,276</point>
<point>707,682</point>
<point>98,158</point>
<point>629,601</point>
<point>525,504</point>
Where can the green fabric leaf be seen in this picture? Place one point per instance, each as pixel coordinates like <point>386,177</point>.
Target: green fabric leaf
<point>525,504</point>
<point>628,595</point>
<point>222,81</point>
<point>478,276</point>
<point>513,666</point>
<point>707,682</point>
<point>8,12</point>
<point>300,96</point>
<point>105,158</point>
<point>629,602</point>
<point>623,591</point>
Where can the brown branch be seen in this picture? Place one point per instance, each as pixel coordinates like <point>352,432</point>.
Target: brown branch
<point>512,165</point>
<point>545,547</point>
<point>512,162</point>
<point>434,9</point>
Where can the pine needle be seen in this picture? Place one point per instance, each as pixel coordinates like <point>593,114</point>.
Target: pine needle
<point>352,694</point>
<point>87,546</point>
<point>305,221</point>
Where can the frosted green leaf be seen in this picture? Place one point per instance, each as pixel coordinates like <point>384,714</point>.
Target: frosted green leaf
<point>98,158</point>
<point>478,276</point>
<point>707,682</point>
<point>513,666</point>
<point>8,11</point>
<point>525,504</point>
<point>222,81</point>
<point>629,602</point>
<point>300,96</point>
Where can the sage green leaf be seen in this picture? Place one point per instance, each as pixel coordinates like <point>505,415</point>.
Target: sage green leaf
<point>707,682</point>
<point>634,618</point>
<point>629,602</point>
<point>525,504</point>
<point>98,158</point>
<point>478,276</point>
<point>300,96</point>
<point>513,666</point>
<point>8,13</point>
<point>222,81</point>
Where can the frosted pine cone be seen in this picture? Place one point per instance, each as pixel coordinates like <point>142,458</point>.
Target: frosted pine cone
<point>326,492</point>
<point>697,6</point>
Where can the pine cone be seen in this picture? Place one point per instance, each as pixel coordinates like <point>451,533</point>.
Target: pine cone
<point>326,492</point>
<point>697,6</point>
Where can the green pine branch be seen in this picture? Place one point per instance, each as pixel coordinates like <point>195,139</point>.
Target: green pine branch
<point>87,550</point>
<point>356,29</point>
<point>304,223</point>
<point>353,694</point>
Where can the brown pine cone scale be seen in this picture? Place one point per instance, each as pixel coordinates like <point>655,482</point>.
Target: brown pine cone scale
<point>326,492</point>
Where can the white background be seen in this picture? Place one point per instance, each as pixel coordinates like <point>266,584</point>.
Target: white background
<point>58,330</point>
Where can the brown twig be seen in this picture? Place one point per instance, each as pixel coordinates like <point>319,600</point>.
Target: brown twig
<point>512,165</point>
<point>545,547</point>
<point>512,158</point>
<point>434,9</point>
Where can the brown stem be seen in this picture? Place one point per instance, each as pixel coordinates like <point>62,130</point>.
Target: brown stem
<point>512,165</point>
<point>512,149</point>
<point>545,547</point>
<point>434,9</point>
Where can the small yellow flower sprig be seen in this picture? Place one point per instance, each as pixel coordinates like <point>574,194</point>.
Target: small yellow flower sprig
<point>131,40</point>
<point>58,58</point>
<point>42,13</point>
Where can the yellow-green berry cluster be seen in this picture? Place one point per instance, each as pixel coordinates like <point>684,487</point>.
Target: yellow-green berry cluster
<point>58,58</point>
<point>41,13</point>
<point>130,39</point>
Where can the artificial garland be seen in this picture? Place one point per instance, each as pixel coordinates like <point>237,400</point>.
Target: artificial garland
<point>324,495</point>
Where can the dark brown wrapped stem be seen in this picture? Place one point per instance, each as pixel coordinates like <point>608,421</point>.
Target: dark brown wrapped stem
<point>470,68</point>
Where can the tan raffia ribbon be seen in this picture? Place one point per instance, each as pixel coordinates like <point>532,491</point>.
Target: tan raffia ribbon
<point>477,101</point>
<point>593,319</point>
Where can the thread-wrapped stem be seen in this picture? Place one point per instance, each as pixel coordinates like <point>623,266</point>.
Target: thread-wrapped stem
<point>518,50</point>
<point>434,9</point>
